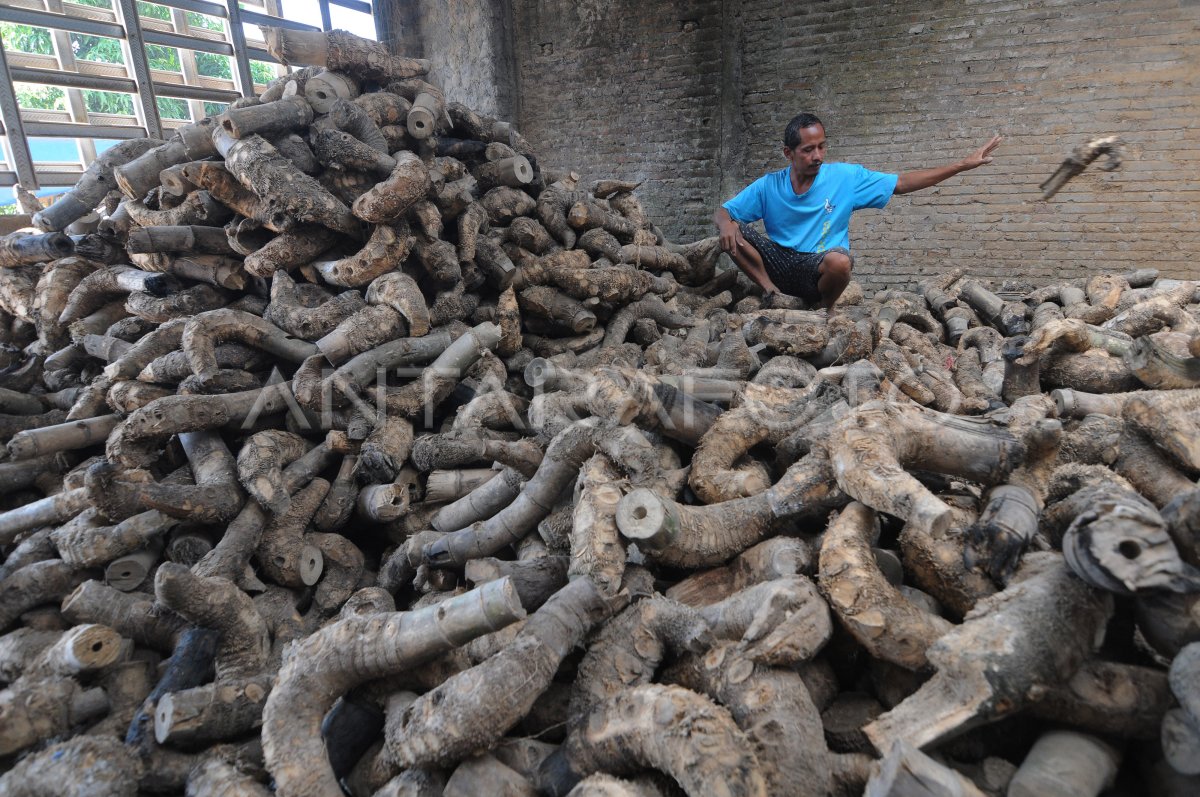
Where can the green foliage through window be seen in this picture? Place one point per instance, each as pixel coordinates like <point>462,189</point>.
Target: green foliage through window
<point>213,65</point>
<point>40,98</point>
<point>262,72</point>
<point>26,39</point>
<point>153,11</point>
<point>173,108</point>
<point>108,102</point>
<point>205,21</point>
<point>164,58</point>
<point>97,48</point>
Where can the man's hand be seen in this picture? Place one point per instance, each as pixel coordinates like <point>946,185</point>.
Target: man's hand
<point>731,237</point>
<point>982,155</point>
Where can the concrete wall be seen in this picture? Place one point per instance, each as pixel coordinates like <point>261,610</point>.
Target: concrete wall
<point>692,97</point>
<point>469,42</point>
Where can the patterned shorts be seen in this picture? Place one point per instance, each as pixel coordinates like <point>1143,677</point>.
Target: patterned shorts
<point>794,273</point>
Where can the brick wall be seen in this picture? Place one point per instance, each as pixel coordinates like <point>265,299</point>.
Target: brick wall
<point>692,97</point>
<point>629,90</point>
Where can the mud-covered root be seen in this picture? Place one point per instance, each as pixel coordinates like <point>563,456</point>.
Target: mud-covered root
<point>217,778</point>
<point>667,728</point>
<point>679,535</point>
<point>873,443</point>
<point>307,316</point>
<point>260,464</point>
<point>1012,646</point>
<point>875,612</point>
<point>218,604</point>
<point>353,650</point>
<point>783,622</point>
<point>596,549</point>
<point>202,334</point>
<point>401,292</point>
<point>773,708</point>
<point>472,710</point>
<point>629,649</point>
<point>86,766</point>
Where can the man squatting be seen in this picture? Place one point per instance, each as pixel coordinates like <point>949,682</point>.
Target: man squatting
<point>806,209</point>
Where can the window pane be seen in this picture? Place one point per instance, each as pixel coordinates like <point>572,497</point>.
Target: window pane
<point>356,22</point>
<point>26,38</point>
<point>213,65</point>
<point>97,48</point>
<point>264,72</point>
<point>40,98</point>
<point>108,102</point>
<point>173,108</point>
<point>53,150</point>
<point>153,11</point>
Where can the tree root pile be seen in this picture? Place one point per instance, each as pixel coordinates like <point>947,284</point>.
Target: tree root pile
<point>347,449</point>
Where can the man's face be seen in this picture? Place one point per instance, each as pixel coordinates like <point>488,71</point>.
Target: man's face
<point>806,159</point>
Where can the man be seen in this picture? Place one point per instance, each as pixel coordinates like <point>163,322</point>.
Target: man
<point>806,209</point>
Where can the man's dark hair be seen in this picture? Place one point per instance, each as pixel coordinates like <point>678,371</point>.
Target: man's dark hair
<point>791,134</point>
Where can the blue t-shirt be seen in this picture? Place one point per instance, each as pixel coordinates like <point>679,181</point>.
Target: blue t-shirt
<point>818,219</point>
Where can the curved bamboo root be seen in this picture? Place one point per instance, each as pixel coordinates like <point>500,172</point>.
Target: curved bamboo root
<point>773,708</point>
<point>670,729</point>
<point>351,651</point>
<point>472,710</point>
<point>783,622</point>
<point>1010,648</point>
<point>205,331</point>
<point>218,604</point>
<point>384,252</point>
<point>872,444</point>
<point>678,535</point>
<point>875,613</point>
<point>308,315</point>
<point>260,465</point>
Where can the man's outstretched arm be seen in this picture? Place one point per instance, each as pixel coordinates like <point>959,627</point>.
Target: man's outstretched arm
<point>924,178</point>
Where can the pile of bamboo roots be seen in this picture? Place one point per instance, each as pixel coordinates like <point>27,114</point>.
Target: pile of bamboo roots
<point>350,450</point>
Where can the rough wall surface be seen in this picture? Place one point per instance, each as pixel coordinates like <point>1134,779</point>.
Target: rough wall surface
<point>470,45</point>
<point>627,89</point>
<point>692,97</point>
